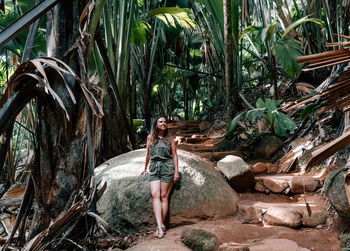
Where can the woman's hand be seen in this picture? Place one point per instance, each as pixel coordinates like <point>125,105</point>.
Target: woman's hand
<point>144,172</point>
<point>176,177</point>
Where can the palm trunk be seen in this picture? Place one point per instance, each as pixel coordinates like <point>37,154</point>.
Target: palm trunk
<point>229,65</point>
<point>60,157</point>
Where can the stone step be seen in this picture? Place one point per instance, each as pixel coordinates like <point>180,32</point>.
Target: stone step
<point>194,139</point>
<point>287,183</point>
<point>182,132</point>
<point>216,156</point>
<point>196,147</point>
<point>280,210</point>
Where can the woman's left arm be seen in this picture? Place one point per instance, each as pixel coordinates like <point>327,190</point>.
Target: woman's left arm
<point>176,160</point>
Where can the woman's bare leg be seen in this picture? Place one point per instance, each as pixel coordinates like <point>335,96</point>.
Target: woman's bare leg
<point>165,189</point>
<point>156,201</point>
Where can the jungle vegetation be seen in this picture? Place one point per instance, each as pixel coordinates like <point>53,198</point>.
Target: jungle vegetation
<point>76,78</point>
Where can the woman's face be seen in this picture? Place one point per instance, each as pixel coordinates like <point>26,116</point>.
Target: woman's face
<point>161,124</point>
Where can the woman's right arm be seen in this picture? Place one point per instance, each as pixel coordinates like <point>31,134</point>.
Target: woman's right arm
<point>147,156</point>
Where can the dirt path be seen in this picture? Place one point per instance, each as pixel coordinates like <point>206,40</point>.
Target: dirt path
<point>231,229</point>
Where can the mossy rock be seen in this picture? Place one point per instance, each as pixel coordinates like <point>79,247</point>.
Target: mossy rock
<point>198,239</point>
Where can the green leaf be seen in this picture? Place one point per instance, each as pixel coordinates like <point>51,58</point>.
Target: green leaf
<point>271,104</point>
<point>249,29</point>
<point>140,32</point>
<point>309,95</point>
<point>310,110</point>
<point>260,103</point>
<point>271,110</point>
<point>305,113</point>
<point>234,123</point>
<point>286,53</point>
<point>172,16</point>
<point>301,21</point>
<point>257,114</point>
<point>268,32</point>
<point>283,123</point>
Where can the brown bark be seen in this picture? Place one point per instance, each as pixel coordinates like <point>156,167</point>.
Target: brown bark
<point>61,162</point>
<point>229,64</point>
<point>286,21</point>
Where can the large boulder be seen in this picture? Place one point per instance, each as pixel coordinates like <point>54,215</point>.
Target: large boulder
<point>334,189</point>
<point>126,204</point>
<point>237,172</point>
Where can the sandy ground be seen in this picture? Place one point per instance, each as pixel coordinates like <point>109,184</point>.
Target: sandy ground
<point>232,230</point>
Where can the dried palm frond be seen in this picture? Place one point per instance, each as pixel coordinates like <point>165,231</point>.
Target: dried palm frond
<point>337,94</point>
<point>36,69</point>
<point>334,92</point>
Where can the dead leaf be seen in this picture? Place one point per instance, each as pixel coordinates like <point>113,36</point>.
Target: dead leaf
<point>305,88</point>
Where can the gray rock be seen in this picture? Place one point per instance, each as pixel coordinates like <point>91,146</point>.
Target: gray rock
<point>316,218</point>
<point>198,239</point>
<point>345,241</point>
<point>282,217</point>
<point>238,173</point>
<point>335,192</point>
<point>267,146</point>
<point>126,205</point>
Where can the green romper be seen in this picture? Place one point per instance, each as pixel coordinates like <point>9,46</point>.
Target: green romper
<point>161,166</point>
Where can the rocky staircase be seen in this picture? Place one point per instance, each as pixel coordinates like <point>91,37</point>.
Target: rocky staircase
<point>191,136</point>
<point>289,200</point>
<point>277,211</point>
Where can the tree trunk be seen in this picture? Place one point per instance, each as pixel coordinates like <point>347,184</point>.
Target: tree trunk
<point>229,64</point>
<point>61,156</point>
<point>147,90</point>
<point>2,5</point>
<point>185,98</point>
<point>286,21</point>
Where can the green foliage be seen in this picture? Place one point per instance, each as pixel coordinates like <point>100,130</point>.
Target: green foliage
<point>286,52</point>
<point>249,29</point>
<point>268,110</point>
<point>140,32</point>
<point>164,88</point>
<point>268,32</point>
<point>309,110</point>
<point>138,124</point>
<point>173,16</point>
<point>301,21</point>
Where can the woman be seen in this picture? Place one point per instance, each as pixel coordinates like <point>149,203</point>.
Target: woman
<point>163,164</point>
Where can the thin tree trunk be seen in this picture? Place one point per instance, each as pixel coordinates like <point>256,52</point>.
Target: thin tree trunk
<point>286,21</point>
<point>2,5</point>
<point>185,98</point>
<point>186,86</point>
<point>229,65</point>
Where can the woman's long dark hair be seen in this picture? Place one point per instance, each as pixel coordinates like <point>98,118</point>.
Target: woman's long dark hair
<point>154,133</point>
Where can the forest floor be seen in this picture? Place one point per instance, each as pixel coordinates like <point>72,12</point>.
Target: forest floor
<point>235,233</point>
<point>249,228</point>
